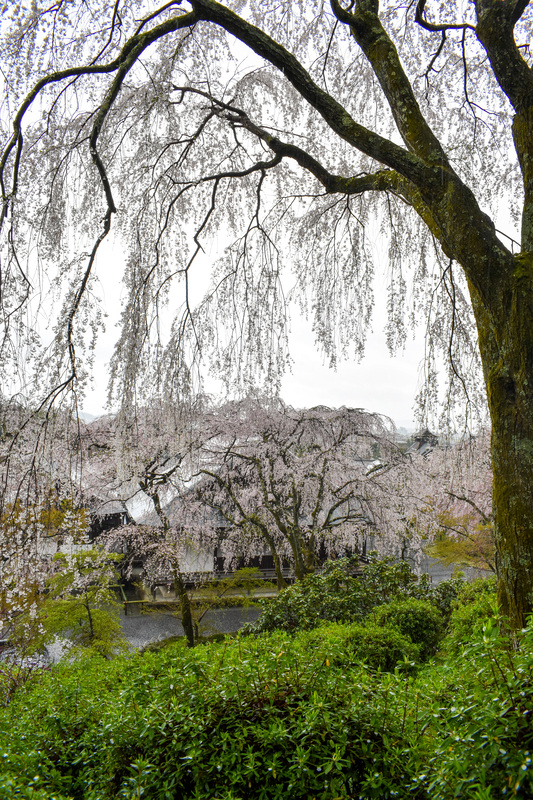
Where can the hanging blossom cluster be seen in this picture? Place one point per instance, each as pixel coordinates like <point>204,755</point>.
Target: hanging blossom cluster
<point>152,129</point>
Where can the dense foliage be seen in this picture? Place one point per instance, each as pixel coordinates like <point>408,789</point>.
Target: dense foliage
<point>338,596</point>
<point>342,710</point>
<point>275,717</point>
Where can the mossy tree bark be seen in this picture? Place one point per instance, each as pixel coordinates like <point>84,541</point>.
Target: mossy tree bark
<point>508,364</point>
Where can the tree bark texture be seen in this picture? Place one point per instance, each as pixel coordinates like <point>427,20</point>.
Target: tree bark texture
<point>508,363</point>
<point>185,607</point>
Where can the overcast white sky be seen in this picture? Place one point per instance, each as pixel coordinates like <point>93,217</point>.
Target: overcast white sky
<point>379,383</point>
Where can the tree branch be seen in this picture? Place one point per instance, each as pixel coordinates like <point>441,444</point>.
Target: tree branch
<point>129,54</point>
<point>486,519</point>
<point>370,35</point>
<point>441,26</point>
<point>336,116</point>
<point>382,180</point>
<point>495,29</point>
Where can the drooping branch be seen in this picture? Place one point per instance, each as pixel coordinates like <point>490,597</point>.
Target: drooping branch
<point>336,116</point>
<point>369,33</point>
<point>128,56</point>
<point>381,180</point>
<point>124,62</point>
<point>440,27</point>
<point>462,498</point>
<point>481,254</point>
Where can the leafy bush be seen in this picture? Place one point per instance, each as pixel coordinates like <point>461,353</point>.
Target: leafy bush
<point>472,591</point>
<point>374,646</point>
<point>475,603</point>
<point>275,716</point>
<point>16,669</point>
<point>265,717</point>
<point>441,595</point>
<point>336,595</point>
<point>486,745</point>
<point>13,787</point>
<point>421,622</point>
<point>306,603</point>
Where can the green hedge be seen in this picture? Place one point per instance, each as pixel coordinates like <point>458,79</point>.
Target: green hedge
<point>418,620</point>
<point>377,647</point>
<point>475,602</point>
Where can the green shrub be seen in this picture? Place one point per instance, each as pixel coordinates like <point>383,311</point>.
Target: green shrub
<point>421,622</point>
<point>262,718</point>
<point>472,591</point>
<point>12,787</point>
<point>485,746</point>
<point>377,647</point>
<point>475,603</point>
<point>276,717</point>
<point>330,597</point>
<point>335,595</point>
<point>441,595</point>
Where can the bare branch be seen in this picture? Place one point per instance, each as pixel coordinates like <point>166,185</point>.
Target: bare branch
<point>335,114</point>
<point>439,27</point>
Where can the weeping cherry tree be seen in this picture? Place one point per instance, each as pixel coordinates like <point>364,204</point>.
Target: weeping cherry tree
<point>283,132</point>
<point>299,483</point>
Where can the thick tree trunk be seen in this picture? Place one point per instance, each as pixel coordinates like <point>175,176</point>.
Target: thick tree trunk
<point>512,454</point>
<point>185,607</point>
<point>507,354</point>
<point>278,567</point>
<point>89,617</point>
<point>179,583</point>
<point>295,545</point>
<point>303,558</point>
<point>309,552</point>
<point>280,580</point>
